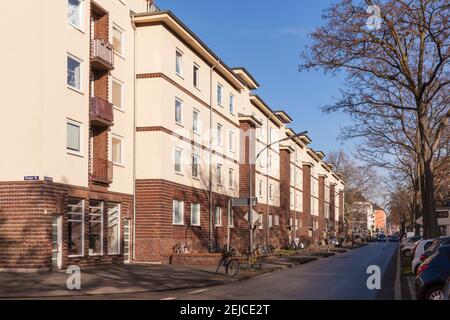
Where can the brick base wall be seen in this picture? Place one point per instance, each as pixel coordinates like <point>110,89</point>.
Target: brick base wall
<point>26,213</point>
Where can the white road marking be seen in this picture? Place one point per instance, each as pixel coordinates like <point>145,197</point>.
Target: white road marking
<point>169,298</point>
<point>198,291</point>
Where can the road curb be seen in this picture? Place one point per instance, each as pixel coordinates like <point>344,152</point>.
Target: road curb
<point>398,286</point>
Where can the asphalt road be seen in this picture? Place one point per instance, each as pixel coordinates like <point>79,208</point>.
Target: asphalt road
<point>343,276</point>
<point>340,277</point>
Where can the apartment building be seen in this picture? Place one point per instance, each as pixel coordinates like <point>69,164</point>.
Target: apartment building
<point>135,136</point>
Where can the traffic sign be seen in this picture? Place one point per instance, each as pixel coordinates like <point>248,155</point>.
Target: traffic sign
<point>243,202</point>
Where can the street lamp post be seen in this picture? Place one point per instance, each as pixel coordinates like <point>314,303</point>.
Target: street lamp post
<point>250,214</point>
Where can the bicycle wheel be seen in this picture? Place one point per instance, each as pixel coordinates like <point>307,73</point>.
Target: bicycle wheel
<point>233,267</point>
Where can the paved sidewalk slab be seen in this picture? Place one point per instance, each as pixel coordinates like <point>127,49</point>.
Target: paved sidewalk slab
<point>117,279</point>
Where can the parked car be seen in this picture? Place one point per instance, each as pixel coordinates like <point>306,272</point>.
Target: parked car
<point>409,240</point>
<point>435,245</point>
<point>394,238</point>
<point>381,237</point>
<point>408,245</point>
<point>433,274</point>
<point>446,291</point>
<point>419,248</point>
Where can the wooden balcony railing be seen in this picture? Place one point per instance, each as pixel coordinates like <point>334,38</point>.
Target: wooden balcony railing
<point>102,55</point>
<point>101,112</point>
<point>101,171</point>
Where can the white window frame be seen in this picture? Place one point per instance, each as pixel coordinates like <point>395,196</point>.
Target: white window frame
<point>276,220</point>
<point>196,67</point>
<point>80,16</point>
<point>261,221</point>
<point>219,177</point>
<point>196,157</point>
<point>180,150</point>
<point>179,53</point>
<point>122,39</point>
<point>231,178</point>
<point>231,105</point>
<point>231,219</point>
<point>82,214</point>
<point>270,221</point>
<point>218,214</point>
<point>80,61</point>
<point>182,213</point>
<point>122,153</point>
<point>192,214</point>
<point>80,126</point>
<point>180,122</point>
<point>219,134</point>
<point>270,191</point>
<point>219,92</point>
<point>122,91</point>
<point>194,129</point>
<point>260,188</point>
<point>102,226</point>
<point>119,216</point>
<point>231,141</point>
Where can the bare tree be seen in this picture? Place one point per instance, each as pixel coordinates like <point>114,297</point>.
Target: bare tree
<point>401,68</point>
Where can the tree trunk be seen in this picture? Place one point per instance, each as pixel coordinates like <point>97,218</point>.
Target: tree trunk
<point>430,225</point>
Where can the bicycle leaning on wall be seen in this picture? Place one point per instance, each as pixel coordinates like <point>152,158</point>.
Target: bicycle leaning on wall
<point>229,261</point>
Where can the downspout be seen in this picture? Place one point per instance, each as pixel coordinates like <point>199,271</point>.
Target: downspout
<point>211,236</point>
<point>134,138</point>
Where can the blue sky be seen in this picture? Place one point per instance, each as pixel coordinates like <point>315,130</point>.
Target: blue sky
<point>267,37</point>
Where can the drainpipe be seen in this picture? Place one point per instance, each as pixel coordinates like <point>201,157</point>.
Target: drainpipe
<point>134,139</point>
<point>211,236</point>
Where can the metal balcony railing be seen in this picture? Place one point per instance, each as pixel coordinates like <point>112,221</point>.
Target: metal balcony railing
<point>101,170</point>
<point>101,111</point>
<point>102,54</point>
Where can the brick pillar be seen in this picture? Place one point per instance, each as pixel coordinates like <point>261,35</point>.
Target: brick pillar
<point>306,216</point>
<point>332,209</point>
<point>285,188</point>
<point>247,149</point>
<point>321,208</point>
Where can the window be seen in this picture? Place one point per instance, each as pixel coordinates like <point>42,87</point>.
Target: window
<point>196,76</point>
<point>270,221</point>
<point>73,136</point>
<point>261,222</point>
<point>218,217</point>
<point>95,227</point>
<point>195,121</point>
<point>178,212</point>
<point>292,174</point>
<point>178,153</point>
<point>297,225</point>
<point>270,191</point>
<point>292,198</point>
<point>269,160</point>
<point>118,40</point>
<point>219,174</point>
<point>178,111</point>
<point>195,214</point>
<point>219,134</point>
<point>219,94</point>
<point>231,141</point>
<point>75,227</point>
<point>117,94</point>
<point>179,63</point>
<point>260,187</point>
<point>195,166</point>
<point>74,13</point>
<point>117,151</point>
<point>74,72</point>
<point>113,228</point>
<point>276,220</point>
<point>231,178</point>
<point>261,130</point>
<point>231,104</point>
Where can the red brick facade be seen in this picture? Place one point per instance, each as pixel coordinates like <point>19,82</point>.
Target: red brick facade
<point>26,212</point>
<point>306,214</point>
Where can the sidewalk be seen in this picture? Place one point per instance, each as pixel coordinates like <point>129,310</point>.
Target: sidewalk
<point>137,278</point>
<point>132,278</point>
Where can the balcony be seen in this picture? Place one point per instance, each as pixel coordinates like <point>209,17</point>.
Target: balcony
<point>101,171</point>
<point>101,112</point>
<point>102,55</point>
